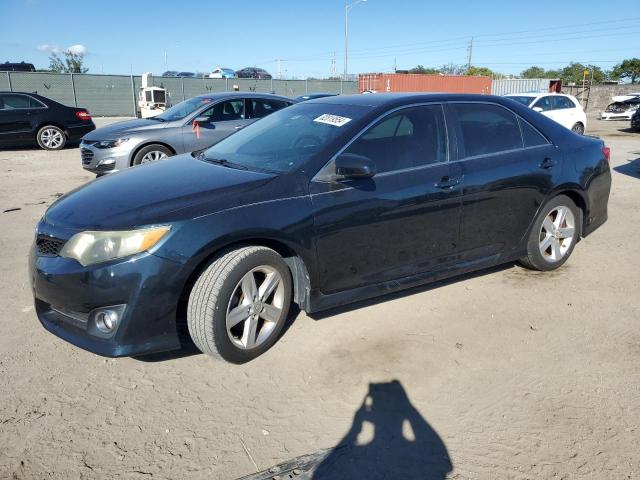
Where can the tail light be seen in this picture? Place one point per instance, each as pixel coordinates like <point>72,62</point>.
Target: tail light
<point>83,115</point>
<point>606,151</point>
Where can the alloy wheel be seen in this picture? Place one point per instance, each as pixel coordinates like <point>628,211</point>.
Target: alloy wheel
<point>51,138</point>
<point>557,234</point>
<point>255,307</point>
<point>153,156</point>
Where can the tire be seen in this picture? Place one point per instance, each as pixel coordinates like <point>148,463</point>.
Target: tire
<point>218,323</point>
<point>151,153</point>
<point>578,128</point>
<point>547,247</point>
<point>51,137</point>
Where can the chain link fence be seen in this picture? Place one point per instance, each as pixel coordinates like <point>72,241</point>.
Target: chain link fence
<point>117,95</point>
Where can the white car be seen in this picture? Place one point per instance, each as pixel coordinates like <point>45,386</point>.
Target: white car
<point>222,73</point>
<point>622,108</point>
<point>564,109</point>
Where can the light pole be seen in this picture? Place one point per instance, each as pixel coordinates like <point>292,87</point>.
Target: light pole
<point>347,8</point>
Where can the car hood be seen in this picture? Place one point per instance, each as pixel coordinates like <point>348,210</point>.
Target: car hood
<point>122,128</point>
<point>172,190</point>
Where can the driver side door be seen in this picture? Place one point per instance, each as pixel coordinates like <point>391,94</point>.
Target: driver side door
<point>220,120</point>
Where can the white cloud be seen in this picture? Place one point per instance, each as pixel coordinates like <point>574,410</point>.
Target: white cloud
<point>46,48</point>
<point>75,49</point>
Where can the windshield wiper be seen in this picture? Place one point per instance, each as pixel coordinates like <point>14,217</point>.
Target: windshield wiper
<point>158,119</point>
<point>222,161</point>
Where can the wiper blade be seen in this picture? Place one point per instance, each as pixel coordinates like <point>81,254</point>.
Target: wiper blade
<point>158,119</point>
<point>224,162</point>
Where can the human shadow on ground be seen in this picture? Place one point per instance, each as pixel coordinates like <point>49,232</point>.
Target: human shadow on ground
<point>388,439</point>
<point>631,168</point>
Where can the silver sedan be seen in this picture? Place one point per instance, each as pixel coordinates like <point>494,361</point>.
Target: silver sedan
<point>195,124</point>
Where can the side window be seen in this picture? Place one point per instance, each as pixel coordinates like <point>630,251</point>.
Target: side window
<point>262,107</point>
<point>487,129</point>
<point>11,102</point>
<point>531,136</point>
<point>544,103</point>
<point>225,111</point>
<point>412,137</point>
<point>559,102</point>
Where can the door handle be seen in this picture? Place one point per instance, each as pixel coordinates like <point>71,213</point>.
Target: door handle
<point>238,127</point>
<point>547,163</point>
<point>448,182</point>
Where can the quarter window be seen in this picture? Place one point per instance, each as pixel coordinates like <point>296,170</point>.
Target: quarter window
<point>487,129</point>
<point>413,137</point>
<point>531,136</point>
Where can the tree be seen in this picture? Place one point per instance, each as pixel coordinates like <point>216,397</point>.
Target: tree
<point>629,68</point>
<point>453,69</point>
<point>574,73</point>
<point>484,71</point>
<point>534,72</point>
<point>72,63</point>
<point>424,70</point>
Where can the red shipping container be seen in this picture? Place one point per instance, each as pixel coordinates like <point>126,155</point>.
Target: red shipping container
<point>413,82</point>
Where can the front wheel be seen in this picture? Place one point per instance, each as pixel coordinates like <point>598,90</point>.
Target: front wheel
<point>151,153</point>
<point>578,128</point>
<point>240,303</point>
<point>554,235</point>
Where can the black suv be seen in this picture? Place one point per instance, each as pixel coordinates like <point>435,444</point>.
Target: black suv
<point>17,67</point>
<point>28,118</point>
<point>635,121</point>
<point>252,72</point>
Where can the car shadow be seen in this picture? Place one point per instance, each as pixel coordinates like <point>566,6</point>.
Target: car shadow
<point>631,168</point>
<point>628,130</point>
<point>408,292</point>
<point>388,438</point>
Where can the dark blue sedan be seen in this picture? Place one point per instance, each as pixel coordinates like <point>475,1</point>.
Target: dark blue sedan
<point>320,204</point>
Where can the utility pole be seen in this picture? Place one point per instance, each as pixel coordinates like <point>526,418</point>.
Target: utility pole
<point>279,61</point>
<point>347,8</point>
<point>395,64</point>
<point>332,71</point>
<point>469,53</point>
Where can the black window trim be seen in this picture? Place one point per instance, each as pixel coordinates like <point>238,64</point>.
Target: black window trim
<point>316,177</point>
<point>43,105</point>
<point>501,152</point>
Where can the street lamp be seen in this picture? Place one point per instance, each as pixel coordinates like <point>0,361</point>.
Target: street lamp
<point>347,8</point>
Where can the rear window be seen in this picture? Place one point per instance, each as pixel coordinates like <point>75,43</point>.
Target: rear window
<point>487,128</point>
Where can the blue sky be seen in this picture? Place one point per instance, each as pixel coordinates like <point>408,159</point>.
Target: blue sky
<point>133,36</point>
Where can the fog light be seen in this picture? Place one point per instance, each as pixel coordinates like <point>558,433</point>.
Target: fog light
<point>106,320</point>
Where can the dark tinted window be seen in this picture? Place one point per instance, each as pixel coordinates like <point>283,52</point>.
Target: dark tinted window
<point>10,102</point>
<point>409,138</point>
<point>531,136</point>
<point>226,111</point>
<point>544,103</point>
<point>523,99</point>
<point>487,128</point>
<point>561,102</point>
<point>262,108</point>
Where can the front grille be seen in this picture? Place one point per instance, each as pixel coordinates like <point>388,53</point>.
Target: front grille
<point>87,156</point>
<point>49,246</point>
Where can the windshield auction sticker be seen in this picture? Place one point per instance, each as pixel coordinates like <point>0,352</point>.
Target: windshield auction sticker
<point>334,120</point>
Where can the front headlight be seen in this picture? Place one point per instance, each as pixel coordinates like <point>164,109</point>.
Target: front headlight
<point>110,143</point>
<point>95,247</point>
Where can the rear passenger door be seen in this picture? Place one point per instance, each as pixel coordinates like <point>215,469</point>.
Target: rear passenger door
<point>402,221</point>
<point>508,169</point>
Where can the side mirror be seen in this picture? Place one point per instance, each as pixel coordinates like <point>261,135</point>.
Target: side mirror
<point>202,119</point>
<point>537,109</point>
<point>352,166</point>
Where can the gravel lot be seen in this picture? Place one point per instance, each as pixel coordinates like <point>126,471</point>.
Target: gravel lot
<point>503,374</point>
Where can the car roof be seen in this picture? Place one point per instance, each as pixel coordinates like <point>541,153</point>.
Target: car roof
<point>398,99</point>
<point>221,95</point>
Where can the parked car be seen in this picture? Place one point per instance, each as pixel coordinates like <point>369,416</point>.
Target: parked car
<point>252,72</point>
<point>222,73</point>
<point>170,73</point>
<point>564,109</point>
<point>17,67</point>
<point>323,203</point>
<point>311,96</point>
<point>621,110</point>
<point>635,121</point>
<point>29,118</point>
<point>185,74</point>
<point>194,124</point>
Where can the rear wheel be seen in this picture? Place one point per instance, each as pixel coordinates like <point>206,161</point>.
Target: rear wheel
<point>554,235</point>
<point>239,304</point>
<point>578,128</point>
<point>51,137</point>
<point>151,153</point>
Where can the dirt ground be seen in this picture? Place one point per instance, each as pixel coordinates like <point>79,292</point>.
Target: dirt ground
<point>505,374</point>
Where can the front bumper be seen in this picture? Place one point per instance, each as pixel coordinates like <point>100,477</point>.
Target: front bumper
<point>104,160</point>
<point>616,116</point>
<point>146,286</point>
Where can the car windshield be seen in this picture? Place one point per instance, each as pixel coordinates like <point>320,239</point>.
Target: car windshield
<point>181,110</point>
<point>523,99</point>
<point>287,139</point>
